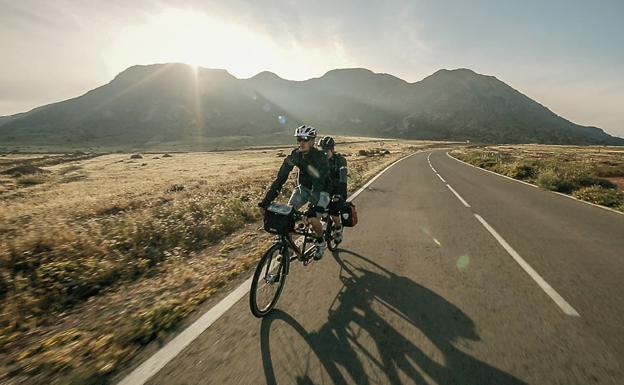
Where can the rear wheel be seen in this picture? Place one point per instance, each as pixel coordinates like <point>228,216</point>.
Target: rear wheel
<point>268,281</point>
<point>332,245</point>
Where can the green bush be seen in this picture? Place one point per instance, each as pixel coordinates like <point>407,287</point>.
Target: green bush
<point>601,196</point>
<point>552,180</point>
<point>591,180</point>
<point>523,170</point>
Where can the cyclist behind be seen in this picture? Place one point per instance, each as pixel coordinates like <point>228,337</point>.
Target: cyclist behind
<point>312,182</point>
<point>338,182</point>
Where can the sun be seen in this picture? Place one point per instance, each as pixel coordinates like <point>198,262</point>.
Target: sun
<point>198,39</point>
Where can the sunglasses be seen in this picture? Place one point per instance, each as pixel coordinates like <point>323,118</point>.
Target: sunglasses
<point>303,139</point>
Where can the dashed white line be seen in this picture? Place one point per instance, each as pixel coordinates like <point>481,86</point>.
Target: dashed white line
<point>458,196</point>
<point>562,303</point>
<point>434,170</point>
<point>552,293</point>
<point>462,200</point>
<point>537,187</point>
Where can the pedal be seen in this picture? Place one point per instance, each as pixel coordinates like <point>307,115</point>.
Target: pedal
<point>307,258</point>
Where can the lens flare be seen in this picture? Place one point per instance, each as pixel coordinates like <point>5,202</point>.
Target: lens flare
<point>463,261</point>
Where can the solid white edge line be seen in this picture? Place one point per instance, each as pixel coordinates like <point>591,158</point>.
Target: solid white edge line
<point>552,293</point>
<point>359,191</point>
<point>537,187</point>
<point>141,374</point>
<point>457,195</point>
<point>439,176</point>
<point>156,362</point>
<point>491,172</point>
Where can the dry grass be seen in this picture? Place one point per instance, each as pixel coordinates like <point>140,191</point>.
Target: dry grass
<point>106,254</point>
<point>590,173</point>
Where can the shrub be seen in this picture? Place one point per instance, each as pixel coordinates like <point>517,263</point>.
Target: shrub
<point>609,170</point>
<point>601,196</point>
<point>552,180</point>
<point>175,188</point>
<point>524,170</point>
<point>26,169</point>
<point>68,169</point>
<point>31,180</point>
<point>591,180</point>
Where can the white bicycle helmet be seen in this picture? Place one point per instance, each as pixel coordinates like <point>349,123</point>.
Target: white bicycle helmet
<point>305,131</point>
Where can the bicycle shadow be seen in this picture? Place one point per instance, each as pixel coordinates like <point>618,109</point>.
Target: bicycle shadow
<point>367,288</point>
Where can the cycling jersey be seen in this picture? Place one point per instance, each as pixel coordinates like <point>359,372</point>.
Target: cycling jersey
<point>338,175</point>
<point>313,173</point>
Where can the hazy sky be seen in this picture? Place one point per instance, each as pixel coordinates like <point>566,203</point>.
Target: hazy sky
<point>567,55</point>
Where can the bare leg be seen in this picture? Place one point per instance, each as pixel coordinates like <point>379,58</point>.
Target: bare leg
<point>316,226</point>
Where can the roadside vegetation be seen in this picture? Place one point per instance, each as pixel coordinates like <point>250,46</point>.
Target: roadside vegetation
<point>593,174</point>
<point>103,254</point>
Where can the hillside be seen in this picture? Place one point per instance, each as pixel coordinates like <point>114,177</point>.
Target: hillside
<point>174,103</point>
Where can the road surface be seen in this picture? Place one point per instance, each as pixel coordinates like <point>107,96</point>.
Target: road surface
<point>453,276</point>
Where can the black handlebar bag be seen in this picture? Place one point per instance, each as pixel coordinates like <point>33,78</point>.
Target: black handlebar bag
<point>279,219</point>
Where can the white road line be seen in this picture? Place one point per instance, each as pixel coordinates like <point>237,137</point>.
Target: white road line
<point>147,369</point>
<point>462,200</point>
<point>536,186</point>
<point>492,172</point>
<point>434,170</point>
<point>562,303</point>
<point>458,196</point>
<point>359,191</point>
<point>156,362</point>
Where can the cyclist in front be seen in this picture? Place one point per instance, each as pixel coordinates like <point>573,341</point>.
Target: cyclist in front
<point>312,182</point>
<point>338,182</point>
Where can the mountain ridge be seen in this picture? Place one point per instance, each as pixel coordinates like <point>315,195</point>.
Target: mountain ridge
<point>176,102</point>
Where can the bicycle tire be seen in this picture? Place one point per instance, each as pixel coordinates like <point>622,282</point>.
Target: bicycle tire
<point>267,258</point>
<point>332,245</point>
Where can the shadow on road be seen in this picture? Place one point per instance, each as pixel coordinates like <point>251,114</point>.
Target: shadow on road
<point>370,294</point>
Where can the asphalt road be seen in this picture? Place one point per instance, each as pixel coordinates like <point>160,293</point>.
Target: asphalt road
<point>421,292</point>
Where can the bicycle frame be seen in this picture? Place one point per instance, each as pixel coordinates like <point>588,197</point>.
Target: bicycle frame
<point>308,238</point>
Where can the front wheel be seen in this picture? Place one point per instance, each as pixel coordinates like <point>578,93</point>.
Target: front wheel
<point>268,281</point>
<point>332,245</point>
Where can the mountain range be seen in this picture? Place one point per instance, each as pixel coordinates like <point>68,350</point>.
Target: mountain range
<point>148,105</point>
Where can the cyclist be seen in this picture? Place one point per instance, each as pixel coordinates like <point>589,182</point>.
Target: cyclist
<point>338,182</point>
<point>312,182</point>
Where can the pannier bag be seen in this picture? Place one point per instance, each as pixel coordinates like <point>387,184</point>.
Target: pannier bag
<point>348,215</point>
<point>278,219</point>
